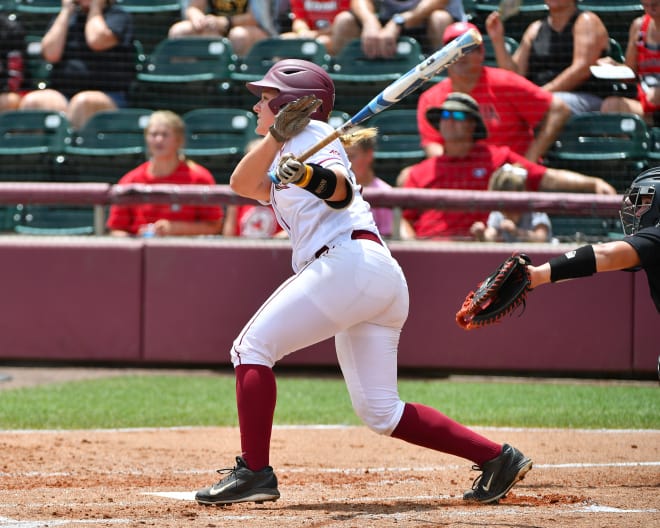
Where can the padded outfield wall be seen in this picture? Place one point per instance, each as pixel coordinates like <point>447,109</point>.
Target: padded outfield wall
<point>99,299</point>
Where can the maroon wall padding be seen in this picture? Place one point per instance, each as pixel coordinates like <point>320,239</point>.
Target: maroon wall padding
<point>646,345</point>
<point>184,301</point>
<point>198,296</point>
<point>72,299</point>
<point>573,326</point>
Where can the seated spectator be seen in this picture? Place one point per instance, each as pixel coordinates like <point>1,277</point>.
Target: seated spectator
<point>468,163</point>
<point>165,136</point>
<point>90,44</point>
<point>13,60</point>
<point>380,23</point>
<point>237,21</point>
<point>643,57</point>
<point>251,221</point>
<point>518,114</point>
<point>556,52</point>
<point>361,155</point>
<point>315,19</point>
<point>511,225</point>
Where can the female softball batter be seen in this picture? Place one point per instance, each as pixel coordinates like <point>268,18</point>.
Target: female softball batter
<point>346,284</point>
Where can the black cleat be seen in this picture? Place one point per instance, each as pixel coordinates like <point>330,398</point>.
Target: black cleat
<point>498,476</point>
<point>241,485</point>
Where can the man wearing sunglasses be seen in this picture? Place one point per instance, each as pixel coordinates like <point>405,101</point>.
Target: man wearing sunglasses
<point>518,113</point>
<point>468,162</point>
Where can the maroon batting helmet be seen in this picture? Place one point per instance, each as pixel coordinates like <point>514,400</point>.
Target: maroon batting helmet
<point>294,78</point>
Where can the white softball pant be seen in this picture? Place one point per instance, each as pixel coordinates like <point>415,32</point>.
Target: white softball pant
<point>356,292</point>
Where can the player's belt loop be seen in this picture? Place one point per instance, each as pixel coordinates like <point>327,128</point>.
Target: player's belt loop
<point>358,234</point>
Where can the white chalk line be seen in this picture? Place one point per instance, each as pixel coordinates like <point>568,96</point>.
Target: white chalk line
<point>314,427</point>
<point>344,471</point>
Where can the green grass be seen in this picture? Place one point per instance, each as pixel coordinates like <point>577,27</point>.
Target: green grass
<point>189,400</point>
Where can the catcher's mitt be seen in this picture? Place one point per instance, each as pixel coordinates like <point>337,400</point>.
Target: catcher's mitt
<point>498,295</point>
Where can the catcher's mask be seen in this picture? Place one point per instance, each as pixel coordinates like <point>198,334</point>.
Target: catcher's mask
<point>641,202</point>
<point>293,78</point>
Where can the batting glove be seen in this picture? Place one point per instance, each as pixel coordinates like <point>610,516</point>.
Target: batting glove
<point>290,170</point>
<point>294,117</point>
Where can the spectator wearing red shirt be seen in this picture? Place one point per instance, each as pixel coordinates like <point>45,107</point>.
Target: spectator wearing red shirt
<point>165,136</point>
<point>518,113</point>
<point>314,20</point>
<point>468,163</point>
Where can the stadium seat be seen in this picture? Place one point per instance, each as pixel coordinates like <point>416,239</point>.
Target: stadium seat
<point>585,229</point>
<point>654,147</point>
<point>54,220</point>
<point>7,6</point>
<point>510,44</point>
<point>35,15</point>
<point>337,118</point>
<point>32,144</point>
<point>152,19</point>
<point>612,146</point>
<point>398,142</point>
<point>358,78</point>
<point>515,26</point>
<point>185,73</point>
<point>264,53</point>
<point>216,138</point>
<point>110,144</point>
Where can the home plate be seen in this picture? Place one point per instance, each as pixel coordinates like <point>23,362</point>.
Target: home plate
<point>178,495</point>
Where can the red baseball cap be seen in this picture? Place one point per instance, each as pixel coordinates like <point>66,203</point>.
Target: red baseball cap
<point>456,30</point>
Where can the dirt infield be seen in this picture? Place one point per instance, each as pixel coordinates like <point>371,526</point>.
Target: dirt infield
<point>329,477</point>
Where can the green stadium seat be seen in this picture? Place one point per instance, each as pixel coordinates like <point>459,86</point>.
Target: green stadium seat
<point>264,53</point>
<point>35,15</point>
<point>510,44</point>
<point>398,142</point>
<point>55,220</point>
<point>110,144</point>
<point>32,145</point>
<point>585,229</point>
<point>152,19</point>
<point>358,78</point>
<point>516,25</point>
<point>216,138</point>
<point>185,73</point>
<point>612,146</point>
<point>337,118</point>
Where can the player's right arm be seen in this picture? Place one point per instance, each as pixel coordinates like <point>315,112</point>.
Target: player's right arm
<point>250,177</point>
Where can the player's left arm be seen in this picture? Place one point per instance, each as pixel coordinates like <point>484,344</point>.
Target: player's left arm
<point>250,177</point>
<point>610,256</point>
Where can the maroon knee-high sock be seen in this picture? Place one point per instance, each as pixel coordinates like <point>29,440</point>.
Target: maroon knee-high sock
<point>256,393</point>
<point>427,427</point>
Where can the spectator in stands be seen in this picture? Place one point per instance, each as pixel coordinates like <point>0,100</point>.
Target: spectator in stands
<point>518,113</point>
<point>512,225</point>
<point>13,60</point>
<point>468,162</point>
<point>379,24</point>
<point>361,155</point>
<point>556,52</point>
<point>243,23</point>
<point>643,57</point>
<point>90,43</point>
<point>165,137</point>
<point>315,19</point>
